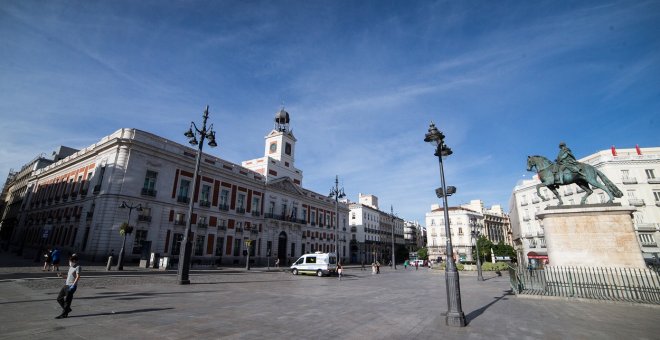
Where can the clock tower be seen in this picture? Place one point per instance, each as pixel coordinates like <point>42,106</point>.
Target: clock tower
<point>279,151</point>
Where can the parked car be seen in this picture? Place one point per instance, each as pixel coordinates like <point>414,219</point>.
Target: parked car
<point>317,263</point>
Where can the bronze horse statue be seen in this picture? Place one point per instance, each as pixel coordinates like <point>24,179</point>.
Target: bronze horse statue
<point>588,175</point>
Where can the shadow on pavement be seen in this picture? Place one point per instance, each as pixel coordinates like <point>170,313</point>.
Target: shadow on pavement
<point>145,310</point>
<point>475,313</point>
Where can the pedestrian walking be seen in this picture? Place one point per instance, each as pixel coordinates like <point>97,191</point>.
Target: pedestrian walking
<point>277,263</point>
<point>55,260</point>
<point>405,265</point>
<point>416,265</point>
<point>373,268</point>
<point>47,259</point>
<point>65,296</point>
<point>363,268</point>
<point>340,270</point>
<point>377,267</point>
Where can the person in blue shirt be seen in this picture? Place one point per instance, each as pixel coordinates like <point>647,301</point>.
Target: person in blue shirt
<point>55,258</point>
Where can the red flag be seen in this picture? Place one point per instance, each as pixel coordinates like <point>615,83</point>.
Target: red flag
<point>639,151</point>
<point>613,151</point>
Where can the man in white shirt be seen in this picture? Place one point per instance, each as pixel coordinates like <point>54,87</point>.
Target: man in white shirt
<point>66,293</point>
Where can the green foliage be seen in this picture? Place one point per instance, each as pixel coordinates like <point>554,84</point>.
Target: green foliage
<point>497,266</point>
<point>484,245</point>
<point>125,228</point>
<point>459,266</point>
<point>423,253</point>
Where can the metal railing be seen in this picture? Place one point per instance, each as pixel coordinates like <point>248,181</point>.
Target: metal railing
<point>600,283</point>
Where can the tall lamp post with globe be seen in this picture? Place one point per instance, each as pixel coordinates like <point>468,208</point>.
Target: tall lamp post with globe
<point>203,133</point>
<point>337,193</point>
<point>455,316</point>
<point>476,233</point>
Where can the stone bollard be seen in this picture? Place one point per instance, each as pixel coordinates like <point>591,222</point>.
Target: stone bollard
<point>107,267</point>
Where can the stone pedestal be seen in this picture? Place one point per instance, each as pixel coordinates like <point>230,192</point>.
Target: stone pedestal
<point>593,236</point>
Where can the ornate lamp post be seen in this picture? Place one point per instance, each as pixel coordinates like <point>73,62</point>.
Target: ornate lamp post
<point>455,315</point>
<point>126,229</point>
<point>337,193</point>
<point>476,233</point>
<point>393,219</point>
<point>184,258</point>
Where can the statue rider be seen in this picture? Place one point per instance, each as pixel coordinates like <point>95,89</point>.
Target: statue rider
<point>566,160</point>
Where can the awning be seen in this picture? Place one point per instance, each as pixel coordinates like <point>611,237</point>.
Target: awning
<point>535,255</point>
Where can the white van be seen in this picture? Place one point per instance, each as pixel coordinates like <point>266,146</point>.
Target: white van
<point>318,263</point>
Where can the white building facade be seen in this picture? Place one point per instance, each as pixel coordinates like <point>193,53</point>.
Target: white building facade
<point>634,171</point>
<point>371,231</point>
<point>461,220</point>
<point>77,200</point>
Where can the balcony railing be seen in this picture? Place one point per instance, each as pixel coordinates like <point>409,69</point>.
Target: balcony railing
<point>526,218</point>
<point>256,213</point>
<point>239,229</point>
<point>536,200</point>
<point>568,193</point>
<point>240,210</point>
<point>528,235</point>
<point>148,192</point>
<point>183,199</point>
<point>202,225</point>
<point>532,245</point>
<point>353,229</point>
<point>523,203</point>
<point>254,231</point>
<point>205,204</point>
<point>222,227</point>
<point>144,218</point>
<point>629,180</point>
<point>646,226</point>
<point>649,244</point>
<point>179,222</point>
<point>636,202</point>
<point>223,207</point>
<point>657,203</point>
<point>653,180</point>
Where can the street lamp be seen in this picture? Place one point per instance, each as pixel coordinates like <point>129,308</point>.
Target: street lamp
<point>455,315</point>
<point>393,219</point>
<point>337,193</point>
<point>184,258</point>
<point>126,229</point>
<point>476,233</point>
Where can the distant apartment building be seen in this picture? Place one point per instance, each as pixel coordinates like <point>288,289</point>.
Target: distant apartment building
<point>413,235</point>
<point>634,171</point>
<point>491,223</point>
<point>371,231</point>
<point>75,202</point>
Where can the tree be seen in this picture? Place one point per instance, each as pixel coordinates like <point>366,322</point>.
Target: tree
<point>502,249</point>
<point>423,253</point>
<point>484,245</point>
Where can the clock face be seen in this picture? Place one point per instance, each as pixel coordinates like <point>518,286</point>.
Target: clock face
<point>273,147</point>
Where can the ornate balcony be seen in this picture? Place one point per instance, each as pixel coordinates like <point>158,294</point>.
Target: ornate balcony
<point>636,202</point>
<point>148,192</point>
<point>179,222</point>
<point>629,180</point>
<point>205,204</point>
<point>223,207</point>
<point>256,213</point>
<point>240,210</point>
<point>183,199</point>
<point>202,225</point>
<point>144,218</point>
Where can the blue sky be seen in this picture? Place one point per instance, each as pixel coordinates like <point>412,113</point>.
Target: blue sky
<point>361,80</point>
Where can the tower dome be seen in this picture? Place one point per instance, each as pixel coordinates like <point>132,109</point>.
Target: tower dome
<point>282,120</point>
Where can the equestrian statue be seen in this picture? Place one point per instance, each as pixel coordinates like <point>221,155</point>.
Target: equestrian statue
<point>568,170</point>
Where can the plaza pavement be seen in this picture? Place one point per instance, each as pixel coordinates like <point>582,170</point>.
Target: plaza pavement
<point>260,304</point>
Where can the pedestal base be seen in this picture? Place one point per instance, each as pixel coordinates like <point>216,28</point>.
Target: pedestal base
<point>592,236</point>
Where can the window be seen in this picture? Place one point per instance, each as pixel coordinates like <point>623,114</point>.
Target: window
<point>224,199</point>
<point>352,215</point>
<point>237,247</point>
<point>199,245</point>
<point>206,193</point>
<point>293,249</point>
<point>310,259</point>
<point>271,207</point>
<point>313,217</point>
<point>294,212</point>
<point>284,209</point>
<point>180,219</point>
<point>140,238</point>
<point>218,245</point>
<point>150,181</point>
<point>656,194</point>
<point>256,205</point>
<point>631,194</point>
<point>647,239</point>
<point>625,174</point>
<point>176,244</point>
<point>201,221</point>
<point>287,148</point>
<point>649,174</point>
<point>184,190</point>
<point>240,202</point>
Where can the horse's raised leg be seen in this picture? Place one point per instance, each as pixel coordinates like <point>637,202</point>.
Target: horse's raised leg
<point>554,191</point>
<point>538,191</point>
<point>587,189</point>
<point>596,184</point>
